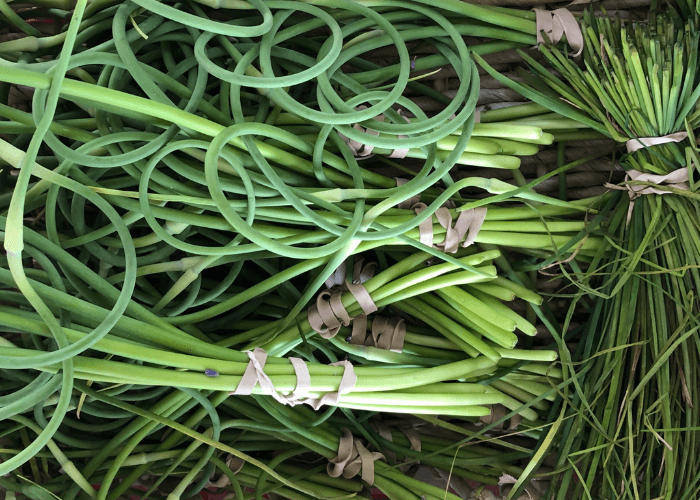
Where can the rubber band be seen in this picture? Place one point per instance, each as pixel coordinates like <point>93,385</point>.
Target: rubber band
<point>363,151</point>
<point>411,434</point>
<point>233,463</point>
<point>413,438</point>
<point>329,309</point>
<point>352,458</point>
<point>303,379</point>
<point>466,228</point>
<point>347,384</point>
<point>401,153</point>
<point>644,142</point>
<point>338,276</point>
<point>383,430</point>
<point>387,333</point>
<point>499,411</point>
<point>678,179</point>
<point>406,204</point>
<point>557,23</point>
<point>255,374</point>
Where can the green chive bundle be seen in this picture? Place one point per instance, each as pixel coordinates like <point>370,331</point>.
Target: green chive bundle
<point>634,433</point>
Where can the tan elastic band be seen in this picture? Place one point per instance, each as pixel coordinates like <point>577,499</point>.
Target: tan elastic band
<point>678,179</point>
<point>387,333</point>
<point>400,153</point>
<point>557,23</point>
<point>329,309</point>
<point>233,463</point>
<point>497,413</point>
<point>255,374</point>
<point>385,433</point>
<point>364,151</point>
<point>338,277</point>
<point>643,142</point>
<point>466,228</point>
<point>352,458</point>
<point>303,379</point>
<point>347,384</point>
<point>413,437</point>
<point>406,204</point>
<point>410,433</point>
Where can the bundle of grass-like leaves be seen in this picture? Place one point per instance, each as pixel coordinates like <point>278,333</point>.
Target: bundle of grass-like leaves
<point>633,426</point>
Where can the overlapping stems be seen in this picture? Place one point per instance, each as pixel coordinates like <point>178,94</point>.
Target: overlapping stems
<point>636,423</point>
<point>169,135</point>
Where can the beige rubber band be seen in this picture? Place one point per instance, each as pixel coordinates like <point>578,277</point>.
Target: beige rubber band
<point>425,228</point>
<point>387,333</point>
<point>347,384</point>
<point>364,151</point>
<point>320,314</point>
<point>499,411</point>
<point>352,458</point>
<point>338,276</point>
<point>466,228</point>
<point>411,434</point>
<point>643,142</point>
<point>385,433</point>
<point>329,309</point>
<point>678,179</point>
<point>400,153</point>
<point>233,463</point>
<point>251,375</point>
<point>413,438</point>
<point>303,379</point>
<point>406,204</point>
<point>557,23</point>
<point>255,374</point>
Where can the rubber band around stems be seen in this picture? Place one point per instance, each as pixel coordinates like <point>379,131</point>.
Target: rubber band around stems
<point>351,161</point>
